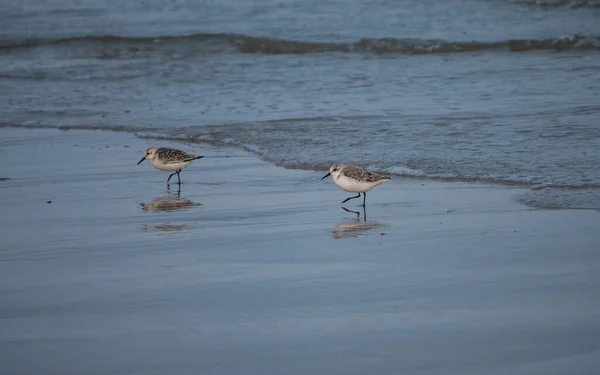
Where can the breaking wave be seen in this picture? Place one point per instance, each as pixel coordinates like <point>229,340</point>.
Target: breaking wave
<point>218,43</point>
<point>573,4</point>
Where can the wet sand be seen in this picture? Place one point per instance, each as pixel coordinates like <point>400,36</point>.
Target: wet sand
<point>256,269</point>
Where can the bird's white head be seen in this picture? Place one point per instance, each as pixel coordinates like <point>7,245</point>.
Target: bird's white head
<point>149,154</point>
<point>334,171</point>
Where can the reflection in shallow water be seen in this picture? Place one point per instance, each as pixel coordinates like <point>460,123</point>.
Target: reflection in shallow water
<point>168,204</point>
<point>164,228</point>
<point>355,228</point>
<point>172,202</point>
<point>357,212</point>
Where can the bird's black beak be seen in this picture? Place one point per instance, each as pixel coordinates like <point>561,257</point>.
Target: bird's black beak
<point>327,175</point>
<point>144,158</point>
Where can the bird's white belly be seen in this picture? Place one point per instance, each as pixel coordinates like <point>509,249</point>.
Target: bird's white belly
<point>171,166</point>
<point>354,186</point>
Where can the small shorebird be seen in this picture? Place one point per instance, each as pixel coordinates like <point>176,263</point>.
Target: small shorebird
<point>354,179</point>
<point>169,159</point>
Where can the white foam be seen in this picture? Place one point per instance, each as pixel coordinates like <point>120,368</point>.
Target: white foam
<point>405,171</point>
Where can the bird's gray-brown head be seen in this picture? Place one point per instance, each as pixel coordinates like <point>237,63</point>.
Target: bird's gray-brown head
<point>334,171</point>
<point>149,154</point>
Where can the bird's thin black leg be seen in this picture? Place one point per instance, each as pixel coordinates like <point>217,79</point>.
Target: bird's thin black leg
<point>171,175</point>
<point>347,199</point>
<point>178,179</point>
<point>364,198</point>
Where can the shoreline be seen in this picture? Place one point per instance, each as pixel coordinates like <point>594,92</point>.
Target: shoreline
<point>256,268</point>
<point>242,151</point>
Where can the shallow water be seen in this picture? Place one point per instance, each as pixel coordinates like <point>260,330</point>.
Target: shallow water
<point>500,91</point>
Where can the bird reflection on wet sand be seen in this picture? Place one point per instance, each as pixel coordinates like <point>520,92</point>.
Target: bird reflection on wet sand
<point>357,212</point>
<point>169,203</point>
<point>164,228</point>
<point>355,228</point>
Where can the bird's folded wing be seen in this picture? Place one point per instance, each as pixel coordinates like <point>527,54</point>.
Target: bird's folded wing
<point>179,158</point>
